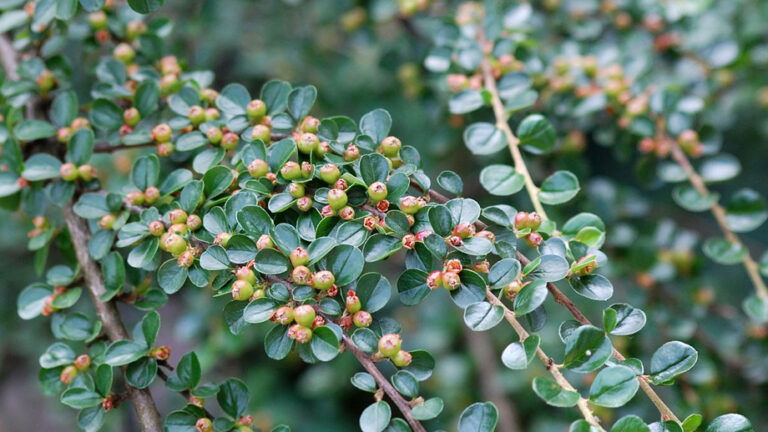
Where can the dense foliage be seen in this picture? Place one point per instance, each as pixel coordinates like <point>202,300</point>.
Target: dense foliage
<point>283,217</point>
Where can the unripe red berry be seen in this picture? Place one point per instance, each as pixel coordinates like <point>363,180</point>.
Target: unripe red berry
<point>307,169</point>
<point>214,134</point>
<point>304,203</point>
<point>534,221</point>
<point>451,280</point>
<point>258,168</point>
<point>323,280</point>
<point>63,134</point>
<point>241,290</point>
<point>435,280</point>
<point>261,132</point>
<point>351,153</point>
<point>482,266</point>
<point>521,220</point>
<point>402,358</point>
<point>304,315</point>
<point>337,199</point>
<point>83,362</point>
<point>80,123</point>
<point>40,222</point>
<point>124,53</point>
<point>296,190</point>
<point>107,221</point>
<point>256,110</point>
<point>301,275</point>
<point>156,228</point>
<point>487,235</point>
<point>422,235</point>
<point>457,82</point>
<point>177,216</point>
<point>151,195</point>
<point>318,322</point>
<point>264,242</point>
<point>309,124</point>
<point>340,184</point>
<point>299,257</point>
<point>245,421</point>
<point>307,143</point>
<point>390,146</point>
<point>107,403</point>
<point>514,287</point>
<point>347,213</point>
<point>408,241</point>
<point>352,302</point>
<point>86,172</point>
<point>323,149</point>
<point>329,173</point>
<point>209,95</point>
<point>283,315</point>
<point>165,149</point>
<point>583,270</point>
<point>229,141</point>
<point>291,171</point>
<point>162,352</point>
<point>327,211</point>
<point>204,425</point>
<point>534,239</point>
<point>68,374</point>
<point>302,334</point>
<point>455,241</point>
<point>186,259</point>
<point>246,273</point>
<point>212,114</point>
<point>370,223</point>
<point>377,191</point>
<point>464,230</point>
<point>362,319</point>
<point>173,244</point>
<point>383,206</point>
<point>46,81</point>
<point>97,20</point>
<point>180,229</point>
<point>410,204</point>
<point>68,171</point>
<point>390,344</point>
<point>222,239</point>
<point>135,29</point>
<point>453,265</point>
<point>162,133</point>
<point>135,197</point>
<point>169,65</point>
<point>196,115</point>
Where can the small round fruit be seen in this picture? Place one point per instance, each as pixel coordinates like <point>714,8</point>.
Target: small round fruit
<point>390,344</point>
<point>323,280</point>
<point>241,290</point>
<point>304,315</point>
<point>377,191</point>
<point>258,168</point>
<point>256,110</point>
<point>390,146</point>
<point>68,172</point>
<point>337,199</point>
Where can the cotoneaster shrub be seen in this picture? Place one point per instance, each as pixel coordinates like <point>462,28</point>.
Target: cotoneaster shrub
<point>251,197</point>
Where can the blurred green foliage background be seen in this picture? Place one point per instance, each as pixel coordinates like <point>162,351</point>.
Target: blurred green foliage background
<point>360,56</point>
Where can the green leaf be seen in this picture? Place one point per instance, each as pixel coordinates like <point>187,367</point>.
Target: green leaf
<point>554,395</point>
<point>629,320</point>
<point>300,101</point>
<point>630,423</point>
<point>465,101</point>
<point>451,182</point>
<point>80,147</point>
<point>586,349</point>
<point>11,19</point>
<point>143,254</point>
<point>233,397</point>
<point>503,272</point>
<point>375,417</point>
<point>530,297</point>
<point>536,134</point>
<point>113,272</point>
<point>91,206</point>
<point>441,220</point>
<point>58,354</point>
<point>123,352</point>
<point>422,364</point>
<point>32,299</point>
<point>374,291</point>
<point>41,166</point>
<point>64,107</point>
<point>430,409</point>
<point>613,387</point>
<point>484,139</point>
<point>146,97</point>
<point>482,316</point>
<point>405,383</point>
<point>518,355</point>
<point>501,180</point>
<point>479,417</point>
<point>692,422</point>
<point>260,310</point>
<point>215,258</point>
<point>106,115</point>
<point>720,167</point>
<point>216,180</point>
<point>270,261</point>
<point>80,397</point>
<point>324,343</point>
<point>145,6</point>
<point>277,344</point>
<point>722,251</point>
<point>150,326</point>
<point>690,199</point>
<point>141,373</point>
<point>364,382</point>
<point>345,262</point>
<point>730,423</point>
<point>31,130</point>
<point>595,287</point>
<point>171,277</point>
<point>670,360</point>
<point>559,188</point>
<point>756,308</point>
<point>374,167</point>
<point>376,124</point>
<point>746,210</point>
<point>380,246</point>
<point>412,287</point>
